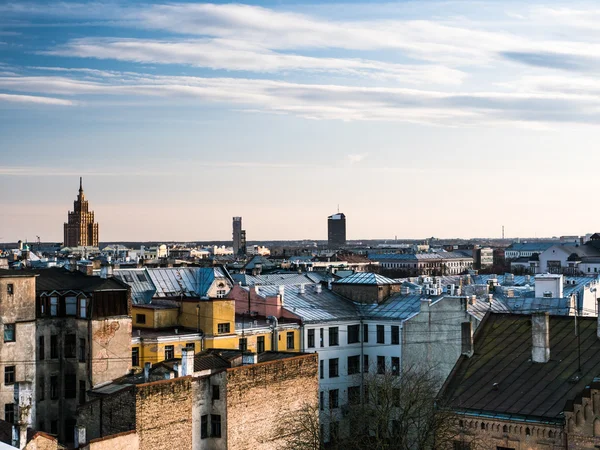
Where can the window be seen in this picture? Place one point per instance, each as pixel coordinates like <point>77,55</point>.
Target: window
<point>169,352</point>
<point>216,393</point>
<point>9,412</point>
<point>381,365</point>
<point>395,366</point>
<point>290,340</point>
<point>333,336</point>
<point>70,427</point>
<point>135,356</point>
<point>322,339</point>
<point>9,332</point>
<point>140,318</point>
<point>321,369</point>
<point>396,393</point>
<point>260,344</point>
<point>54,427</point>
<point>380,334</point>
<point>395,335</point>
<point>365,363</point>
<point>41,348</point>
<point>70,389</point>
<point>54,387</point>
<point>223,328</point>
<point>42,425</point>
<point>221,293</point>
<point>243,344</point>
<point>353,332</point>
<point>215,425</point>
<point>53,346</point>
<point>82,308</point>
<point>204,427</point>
<point>365,332</point>
<point>81,350</point>
<point>141,277</point>
<point>41,388</point>
<point>10,289</point>
<point>54,306</point>
<point>311,338</point>
<point>353,364</point>
<point>354,395</point>
<point>190,346</point>
<point>9,374</point>
<point>334,398</point>
<point>71,306</point>
<point>82,390</point>
<point>70,349</point>
<point>321,400</point>
<point>334,367</point>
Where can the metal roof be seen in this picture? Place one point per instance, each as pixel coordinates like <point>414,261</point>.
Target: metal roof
<point>368,278</point>
<point>418,256</point>
<point>313,306</point>
<point>142,288</point>
<point>278,279</point>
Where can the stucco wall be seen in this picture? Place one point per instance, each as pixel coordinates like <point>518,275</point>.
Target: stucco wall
<point>110,348</point>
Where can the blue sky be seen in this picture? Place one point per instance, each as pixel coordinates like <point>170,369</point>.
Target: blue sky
<point>429,118</point>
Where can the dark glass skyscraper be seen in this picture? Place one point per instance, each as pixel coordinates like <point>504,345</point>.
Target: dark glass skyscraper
<point>336,230</point>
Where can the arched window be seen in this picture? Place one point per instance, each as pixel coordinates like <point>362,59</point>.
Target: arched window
<point>505,429</point>
<point>578,418</point>
<point>597,427</point>
<point>482,426</point>
<point>550,434</point>
<point>527,431</point>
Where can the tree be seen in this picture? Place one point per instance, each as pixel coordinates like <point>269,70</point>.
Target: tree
<point>303,430</point>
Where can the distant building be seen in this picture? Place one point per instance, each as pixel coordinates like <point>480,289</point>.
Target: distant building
<point>483,257</point>
<point>239,237</point>
<point>81,230</point>
<point>442,263</point>
<point>336,230</point>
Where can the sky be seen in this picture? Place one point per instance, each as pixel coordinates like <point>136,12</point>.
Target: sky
<point>419,119</point>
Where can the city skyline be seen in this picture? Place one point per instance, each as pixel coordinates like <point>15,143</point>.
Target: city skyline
<point>419,118</point>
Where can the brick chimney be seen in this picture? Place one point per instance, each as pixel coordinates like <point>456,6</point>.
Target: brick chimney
<point>187,362</point>
<point>540,333</point>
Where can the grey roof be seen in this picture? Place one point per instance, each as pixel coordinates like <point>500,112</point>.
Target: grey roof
<point>168,282</point>
<point>279,279</point>
<point>528,305</point>
<point>418,256</point>
<point>480,307</point>
<point>397,307</point>
<point>312,306</point>
<point>366,278</point>
<point>530,246</point>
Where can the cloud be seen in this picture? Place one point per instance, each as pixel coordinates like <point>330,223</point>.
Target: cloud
<point>13,98</point>
<point>328,101</point>
<point>236,55</point>
<point>357,158</point>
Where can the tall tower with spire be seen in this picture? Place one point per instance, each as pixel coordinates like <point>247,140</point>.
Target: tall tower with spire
<point>81,230</point>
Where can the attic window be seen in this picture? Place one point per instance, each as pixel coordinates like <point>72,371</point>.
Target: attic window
<point>128,277</point>
<point>10,289</point>
<point>141,277</point>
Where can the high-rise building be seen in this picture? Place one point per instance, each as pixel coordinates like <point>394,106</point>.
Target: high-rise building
<point>81,230</point>
<point>336,230</point>
<point>239,237</point>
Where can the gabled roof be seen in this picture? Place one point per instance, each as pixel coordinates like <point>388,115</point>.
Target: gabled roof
<point>367,278</point>
<point>502,355</point>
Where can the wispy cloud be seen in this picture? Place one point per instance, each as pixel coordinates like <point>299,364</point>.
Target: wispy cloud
<point>353,159</point>
<point>17,98</point>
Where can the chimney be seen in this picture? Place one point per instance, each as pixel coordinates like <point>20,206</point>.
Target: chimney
<point>187,362</point>
<point>466,338</point>
<point>318,288</point>
<point>425,304</point>
<point>80,436</point>
<point>281,294</point>
<point>490,298</point>
<point>257,289</point>
<point>302,290</point>
<point>147,367</point>
<point>540,333</point>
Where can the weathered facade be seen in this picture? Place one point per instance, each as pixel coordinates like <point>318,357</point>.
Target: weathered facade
<point>83,339</point>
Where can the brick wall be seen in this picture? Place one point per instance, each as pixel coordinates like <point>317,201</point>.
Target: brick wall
<point>263,396</point>
<point>109,415</point>
<point>164,414</point>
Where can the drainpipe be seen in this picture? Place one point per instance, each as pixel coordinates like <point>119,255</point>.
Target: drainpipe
<point>274,334</point>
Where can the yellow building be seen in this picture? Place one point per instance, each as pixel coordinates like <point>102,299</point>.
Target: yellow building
<point>164,327</point>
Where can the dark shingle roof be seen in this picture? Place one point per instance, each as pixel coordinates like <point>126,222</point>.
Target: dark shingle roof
<point>502,354</point>
<point>59,279</point>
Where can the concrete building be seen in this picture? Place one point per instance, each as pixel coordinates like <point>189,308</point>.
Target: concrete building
<point>442,263</point>
<point>80,229</point>
<point>83,340</point>
<point>483,257</point>
<point>336,230</point>
<point>522,384</point>
<point>239,237</point>
<point>218,399</point>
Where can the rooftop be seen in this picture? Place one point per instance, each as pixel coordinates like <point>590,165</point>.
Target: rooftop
<point>367,278</point>
<point>501,379</point>
<point>59,279</point>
